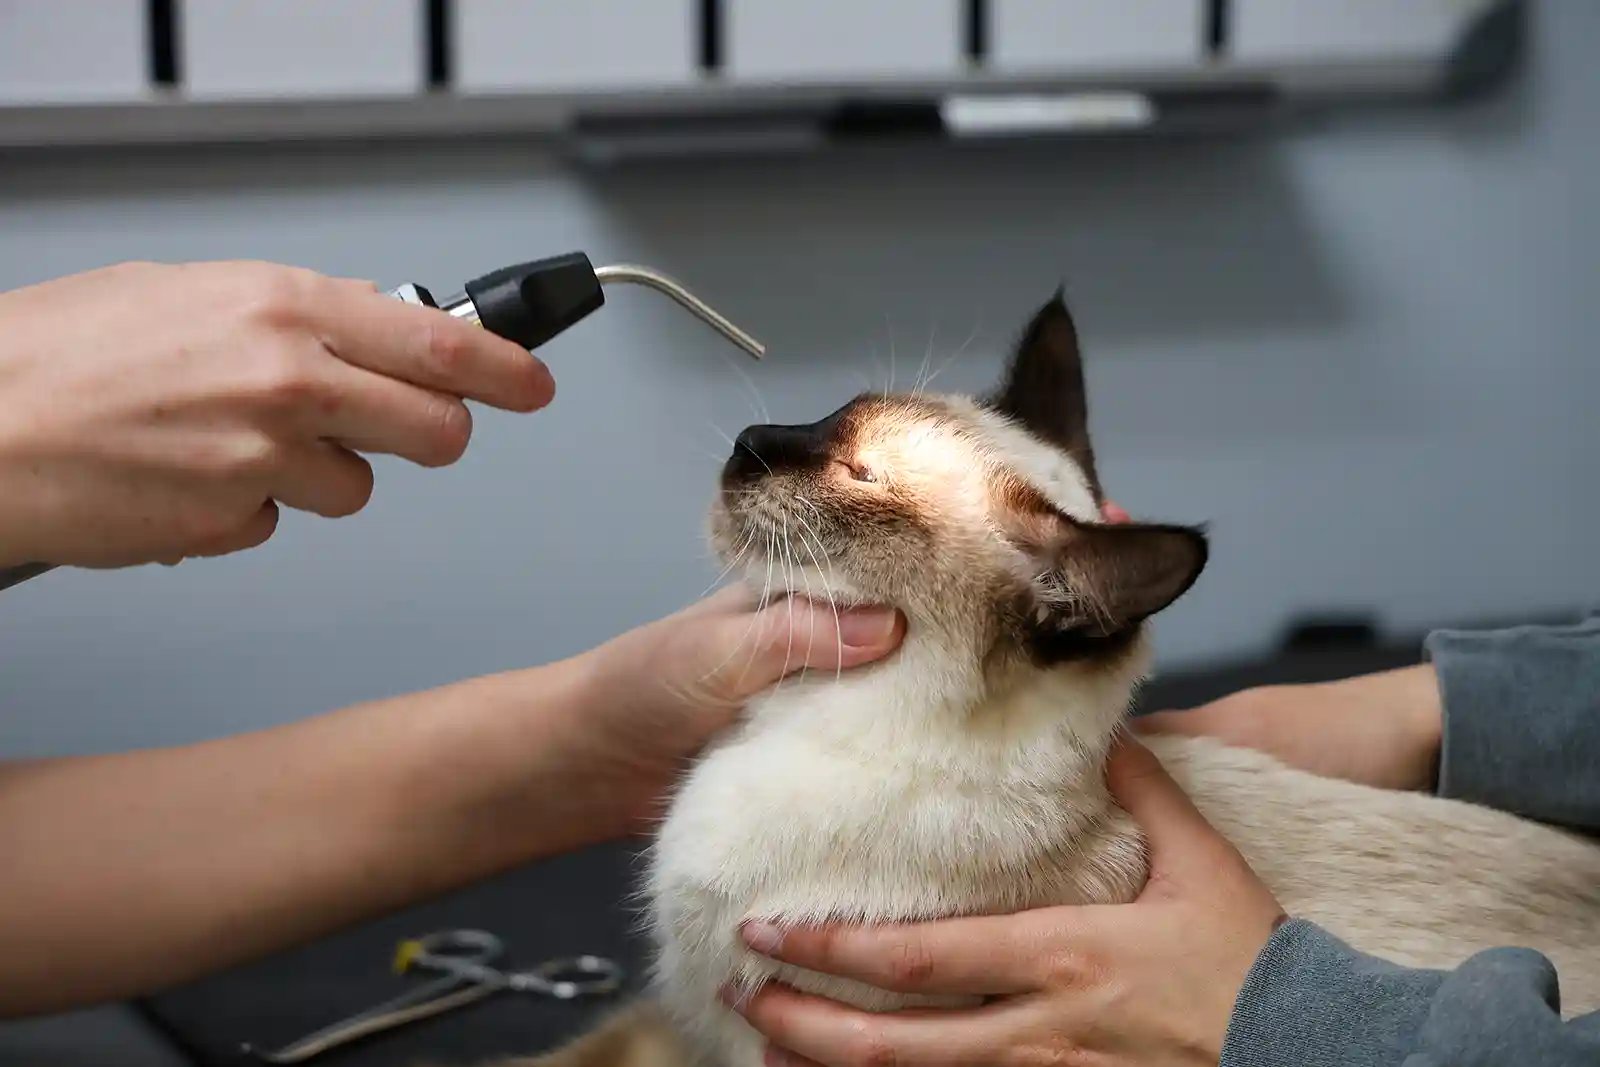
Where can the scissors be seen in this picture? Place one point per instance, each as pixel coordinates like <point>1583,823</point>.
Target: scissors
<point>465,960</point>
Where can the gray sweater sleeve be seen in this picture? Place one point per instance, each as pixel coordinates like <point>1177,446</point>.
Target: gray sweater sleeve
<point>1522,734</point>
<point>1311,1000</point>
<point>1522,720</point>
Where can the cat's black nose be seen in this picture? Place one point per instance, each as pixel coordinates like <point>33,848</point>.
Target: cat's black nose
<point>765,449</point>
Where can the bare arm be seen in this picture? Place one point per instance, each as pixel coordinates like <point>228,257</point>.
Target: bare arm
<point>127,873</point>
<point>132,871</point>
<point>1505,718</point>
<point>1379,729</point>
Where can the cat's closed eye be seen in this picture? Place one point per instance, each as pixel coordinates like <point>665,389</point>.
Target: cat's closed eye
<point>858,471</point>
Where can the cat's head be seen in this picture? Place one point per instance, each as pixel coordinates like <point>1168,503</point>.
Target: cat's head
<point>979,518</point>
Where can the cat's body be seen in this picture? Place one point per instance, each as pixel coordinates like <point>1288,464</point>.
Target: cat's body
<point>792,821</point>
<point>963,775</point>
<point>1417,879</point>
<point>800,818</point>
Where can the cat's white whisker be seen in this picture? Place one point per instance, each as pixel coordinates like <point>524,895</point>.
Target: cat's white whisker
<point>735,558</point>
<point>833,602</point>
<point>788,582</point>
<point>766,596</point>
<point>921,382</point>
<point>811,639</point>
<point>959,352</point>
<point>758,404</point>
<point>888,322</point>
<point>814,509</point>
<point>749,629</point>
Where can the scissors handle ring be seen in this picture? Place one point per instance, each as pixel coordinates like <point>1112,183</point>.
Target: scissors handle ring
<point>570,977</point>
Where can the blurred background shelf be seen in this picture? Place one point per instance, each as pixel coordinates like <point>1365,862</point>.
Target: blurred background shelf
<point>704,75</point>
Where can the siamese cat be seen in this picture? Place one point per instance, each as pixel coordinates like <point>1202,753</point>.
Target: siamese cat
<point>963,774</point>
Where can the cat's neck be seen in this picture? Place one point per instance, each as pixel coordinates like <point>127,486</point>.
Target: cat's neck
<point>935,704</point>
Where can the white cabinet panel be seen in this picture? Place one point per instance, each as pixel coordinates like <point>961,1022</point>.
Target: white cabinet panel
<point>1067,35</point>
<point>818,40</point>
<point>252,49</point>
<point>511,45</point>
<point>1276,30</point>
<point>56,52</point>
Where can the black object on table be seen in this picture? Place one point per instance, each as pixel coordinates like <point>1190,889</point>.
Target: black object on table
<point>567,906</point>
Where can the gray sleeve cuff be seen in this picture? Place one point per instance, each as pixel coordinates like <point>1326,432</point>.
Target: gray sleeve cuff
<point>1522,719</point>
<point>1313,1001</point>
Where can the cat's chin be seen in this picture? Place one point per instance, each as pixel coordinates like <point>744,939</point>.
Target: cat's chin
<point>826,598</point>
<point>820,599</point>
<point>771,582</point>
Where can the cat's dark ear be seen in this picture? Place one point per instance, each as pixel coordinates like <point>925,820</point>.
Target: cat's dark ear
<point>1043,388</point>
<point>1105,578</point>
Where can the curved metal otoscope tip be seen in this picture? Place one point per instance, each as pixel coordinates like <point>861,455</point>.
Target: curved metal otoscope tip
<point>654,279</point>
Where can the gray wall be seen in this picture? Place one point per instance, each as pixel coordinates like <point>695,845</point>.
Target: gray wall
<point>1365,352</point>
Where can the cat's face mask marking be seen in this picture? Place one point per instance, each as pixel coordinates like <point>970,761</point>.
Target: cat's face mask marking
<point>979,517</point>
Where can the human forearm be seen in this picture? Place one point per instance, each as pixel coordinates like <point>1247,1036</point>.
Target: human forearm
<point>1379,729</point>
<point>122,874</point>
<point>130,872</point>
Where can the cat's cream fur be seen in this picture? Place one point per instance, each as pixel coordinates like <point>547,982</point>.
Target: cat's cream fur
<point>963,775</point>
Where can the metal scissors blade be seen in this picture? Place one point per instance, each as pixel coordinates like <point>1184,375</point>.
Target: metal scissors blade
<point>464,959</point>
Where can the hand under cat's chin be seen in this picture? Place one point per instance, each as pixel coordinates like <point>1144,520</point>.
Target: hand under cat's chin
<point>662,691</point>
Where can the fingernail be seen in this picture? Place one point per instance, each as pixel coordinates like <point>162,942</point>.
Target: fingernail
<point>764,938</point>
<point>774,1056</point>
<point>533,387</point>
<point>733,997</point>
<point>866,627</point>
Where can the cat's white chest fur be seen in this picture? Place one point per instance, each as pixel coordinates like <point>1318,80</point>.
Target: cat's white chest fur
<point>849,800</point>
<point>875,799</point>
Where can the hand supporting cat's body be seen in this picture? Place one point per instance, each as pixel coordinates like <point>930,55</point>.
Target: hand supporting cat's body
<point>789,821</point>
<point>803,816</point>
<point>1417,879</point>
